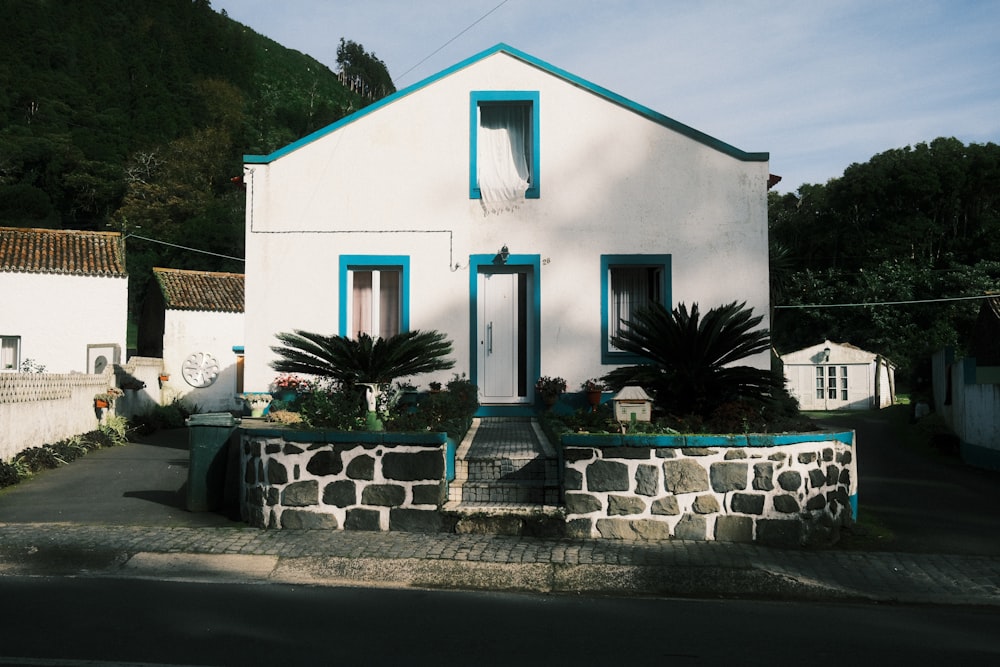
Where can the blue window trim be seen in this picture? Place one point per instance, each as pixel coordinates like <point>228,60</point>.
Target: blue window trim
<point>349,262</point>
<point>535,333</point>
<point>608,355</point>
<point>478,96</point>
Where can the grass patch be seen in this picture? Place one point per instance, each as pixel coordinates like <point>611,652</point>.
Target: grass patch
<point>868,533</point>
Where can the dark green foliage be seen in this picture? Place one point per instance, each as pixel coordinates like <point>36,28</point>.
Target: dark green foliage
<point>363,71</point>
<point>162,417</point>
<point>332,407</point>
<point>350,361</point>
<point>49,456</point>
<point>690,369</point>
<point>450,410</point>
<point>915,223</point>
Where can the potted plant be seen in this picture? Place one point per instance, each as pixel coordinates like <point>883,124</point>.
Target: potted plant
<point>106,399</point>
<point>593,388</point>
<point>286,387</point>
<point>550,388</point>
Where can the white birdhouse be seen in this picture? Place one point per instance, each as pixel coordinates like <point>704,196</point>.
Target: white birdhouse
<point>633,403</point>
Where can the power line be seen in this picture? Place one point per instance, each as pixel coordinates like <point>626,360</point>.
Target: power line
<point>469,27</point>
<point>891,303</point>
<point>183,247</point>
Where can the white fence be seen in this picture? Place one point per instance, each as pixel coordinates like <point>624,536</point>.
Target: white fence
<point>967,397</point>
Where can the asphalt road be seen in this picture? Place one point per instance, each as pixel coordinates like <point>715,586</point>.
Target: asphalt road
<point>93,622</point>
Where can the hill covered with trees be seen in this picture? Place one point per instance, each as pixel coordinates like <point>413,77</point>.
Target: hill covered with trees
<point>134,115</point>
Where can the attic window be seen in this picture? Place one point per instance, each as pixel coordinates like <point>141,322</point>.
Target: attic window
<point>503,143</point>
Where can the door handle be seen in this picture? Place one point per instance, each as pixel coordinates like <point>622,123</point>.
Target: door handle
<point>489,338</point>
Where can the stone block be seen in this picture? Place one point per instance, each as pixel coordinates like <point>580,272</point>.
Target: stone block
<point>805,458</point>
<point>361,467</point>
<point>582,503</point>
<point>415,466</point>
<point>302,520</point>
<point>633,529</point>
<point>790,480</point>
<point>383,495</point>
<point>763,476</point>
<point>429,494</point>
<point>730,528</point>
<point>828,454</point>
<point>300,494</point>
<point>665,453</point>
<point>698,451</point>
<point>574,454</point>
<point>414,520</point>
<point>705,505</point>
<point>817,478</point>
<point>832,475</point>
<point>684,476</point>
<point>691,527</point>
<point>844,457</point>
<point>342,493</point>
<point>326,462</point>
<point>734,454</point>
<point>291,448</point>
<point>786,504</point>
<point>607,476</point>
<point>845,477</point>
<point>362,519</point>
<point>647,480</point>
<point>572,479</point>
<point>778,456</point>
<point>626,453</point>
<point>272,448</point>
<point>747,503</point>
<point>728,477</point>
<point>272,496</point>
<point>624,505</point>
<point>579,528</point>
<point>815,503</point>
<point>276,472</point>
<point>666,505</point>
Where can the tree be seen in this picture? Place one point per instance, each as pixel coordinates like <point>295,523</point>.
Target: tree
<point>363,360</point>
<point>363,72</point>
<point>690,369</point>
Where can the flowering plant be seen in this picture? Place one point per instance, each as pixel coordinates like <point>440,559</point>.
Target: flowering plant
<point>290,381</point>
<point>109,395</point>
<point>592,384</point>
<point>548,386</point>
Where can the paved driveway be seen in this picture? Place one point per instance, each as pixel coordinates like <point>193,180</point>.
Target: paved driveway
<point>930,502</point>
<point>142,483</point>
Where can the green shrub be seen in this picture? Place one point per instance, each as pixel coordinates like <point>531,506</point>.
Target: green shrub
<point>162,417</point>
<point>450,411</point>
<point>332,406</point>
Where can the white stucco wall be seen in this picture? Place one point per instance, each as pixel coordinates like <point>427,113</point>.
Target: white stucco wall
<point>396,182</point>
<point>58,316</point>
<point>187,332</point>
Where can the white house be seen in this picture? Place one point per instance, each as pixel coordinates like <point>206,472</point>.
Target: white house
<point>839,376</point>
<point>194,321</point>
<point>65,299</point>
<point>517,208</point>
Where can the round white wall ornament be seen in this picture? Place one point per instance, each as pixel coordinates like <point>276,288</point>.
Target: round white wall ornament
<point>200,369</point>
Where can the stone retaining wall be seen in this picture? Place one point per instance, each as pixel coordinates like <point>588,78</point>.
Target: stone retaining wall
<point>350,481</point>
<point>789,489</point>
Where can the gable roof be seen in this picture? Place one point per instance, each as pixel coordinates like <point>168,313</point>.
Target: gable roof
<point>201,290</point>
<point>614,98</point>
<point>64,251</point>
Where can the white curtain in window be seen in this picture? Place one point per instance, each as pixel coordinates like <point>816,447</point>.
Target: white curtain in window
<point>629,293</point>
<point>502,155</point>
<point>8,353</point>
<point>389,303</point>
<point>361,296</point>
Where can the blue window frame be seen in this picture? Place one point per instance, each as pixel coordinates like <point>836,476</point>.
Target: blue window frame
<point>629,282</point>
<point>527,100</point>
<point>374,295</point>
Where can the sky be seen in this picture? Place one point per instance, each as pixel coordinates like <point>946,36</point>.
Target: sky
<point>818,84</point>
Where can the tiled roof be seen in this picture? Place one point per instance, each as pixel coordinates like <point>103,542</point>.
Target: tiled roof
<point>61,251</point>
<point>201,290</point>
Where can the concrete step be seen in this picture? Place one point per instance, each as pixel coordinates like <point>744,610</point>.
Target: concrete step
<point>537,492</point>
<point>505,468</point>
<point>517,519</point>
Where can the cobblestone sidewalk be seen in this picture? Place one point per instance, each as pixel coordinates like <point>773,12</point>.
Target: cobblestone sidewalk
<point>494,562</point>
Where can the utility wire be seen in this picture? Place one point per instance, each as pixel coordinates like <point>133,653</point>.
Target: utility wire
<point>467,29</point>
<point>891,303</point>
<point>183,247</point>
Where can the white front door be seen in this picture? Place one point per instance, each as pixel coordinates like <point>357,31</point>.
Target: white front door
<point>502,323</point>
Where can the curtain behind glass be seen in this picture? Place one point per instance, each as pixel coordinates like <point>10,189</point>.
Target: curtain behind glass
<point>630,291</point>
<point>389,303</point>
<point>361,296</point>
<point>502,155</point>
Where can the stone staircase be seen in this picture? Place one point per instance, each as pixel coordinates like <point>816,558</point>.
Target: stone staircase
<point>506,480</point>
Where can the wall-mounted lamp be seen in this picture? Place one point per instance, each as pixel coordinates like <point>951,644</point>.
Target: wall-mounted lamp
<point>826,354</point>
<point>503,255</point>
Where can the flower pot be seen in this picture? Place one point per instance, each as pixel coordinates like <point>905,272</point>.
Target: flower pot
<point>100,403</point>
<point>285,395</point>
<point>164,377</point>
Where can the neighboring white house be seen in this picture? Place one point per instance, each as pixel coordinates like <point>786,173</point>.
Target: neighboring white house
<point>65,299</point>
<point>517,208</point>
<point>194,321</point>
<point>839,376</point>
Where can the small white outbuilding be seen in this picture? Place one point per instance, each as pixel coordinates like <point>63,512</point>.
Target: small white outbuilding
<point>839,376</point>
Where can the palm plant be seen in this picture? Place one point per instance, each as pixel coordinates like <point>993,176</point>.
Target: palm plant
<point>363,360</point>
<point>690,357</point>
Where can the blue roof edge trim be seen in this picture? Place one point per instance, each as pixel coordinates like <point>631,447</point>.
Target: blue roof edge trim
<point>654,116</point>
